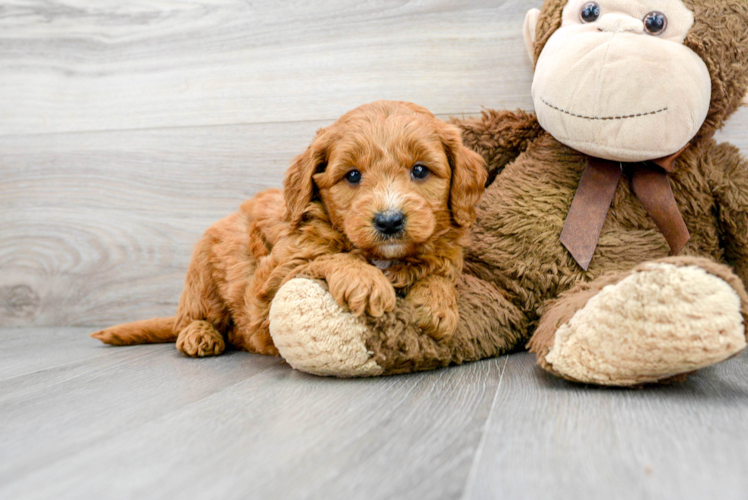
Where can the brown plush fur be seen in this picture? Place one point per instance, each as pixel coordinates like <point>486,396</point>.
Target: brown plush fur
<point>518,275</point>
<point>321,226</point>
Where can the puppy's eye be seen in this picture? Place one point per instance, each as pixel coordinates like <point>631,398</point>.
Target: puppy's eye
<point>419,171</point>
<point>353,177</point>
<point>590,12</point>
<point>655,23</point>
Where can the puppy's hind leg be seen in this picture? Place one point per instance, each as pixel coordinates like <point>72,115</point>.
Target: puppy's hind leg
<point>202,316</point>
<point>200,339</point>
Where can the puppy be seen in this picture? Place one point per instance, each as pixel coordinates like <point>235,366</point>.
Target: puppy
<point>379,205</point>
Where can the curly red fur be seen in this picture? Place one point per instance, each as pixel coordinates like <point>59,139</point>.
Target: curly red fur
<point>321,226</point>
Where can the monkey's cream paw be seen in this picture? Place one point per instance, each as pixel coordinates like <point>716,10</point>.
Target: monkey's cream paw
<point>200,339</point>
<point>315,335</point>
<point>654,324</point>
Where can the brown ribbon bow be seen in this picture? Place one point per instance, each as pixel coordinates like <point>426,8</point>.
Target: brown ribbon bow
<point>595,194</point>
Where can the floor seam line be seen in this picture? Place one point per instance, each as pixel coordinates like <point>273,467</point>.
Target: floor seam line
<point>470,482</point>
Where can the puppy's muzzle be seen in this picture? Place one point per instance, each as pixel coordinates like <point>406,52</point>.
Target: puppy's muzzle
<point>389,223</point>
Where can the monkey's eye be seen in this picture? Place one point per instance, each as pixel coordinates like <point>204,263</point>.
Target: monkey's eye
<point>353,177</point>
<point>590,12</point>
<point>655,23</point>
<point>419,171</point>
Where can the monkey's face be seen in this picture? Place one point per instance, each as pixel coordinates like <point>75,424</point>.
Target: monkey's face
<point>616,82</point>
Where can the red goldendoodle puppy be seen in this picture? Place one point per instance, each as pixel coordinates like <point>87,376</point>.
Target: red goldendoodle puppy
<point>379,205</point>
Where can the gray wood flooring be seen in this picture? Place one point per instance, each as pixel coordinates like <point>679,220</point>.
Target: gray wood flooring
<point>127,128</point>
<point>83,420</point>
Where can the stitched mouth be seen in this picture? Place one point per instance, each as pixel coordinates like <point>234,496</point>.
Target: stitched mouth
<point>618,117</point>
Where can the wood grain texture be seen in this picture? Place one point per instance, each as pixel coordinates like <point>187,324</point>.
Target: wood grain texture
<point>99,227</point>
<point>128,128</point>
<point>27,351</point>
<point>547,438</point>
<point>83,420</point>
<point>148,422</point>
<point>76,65</point>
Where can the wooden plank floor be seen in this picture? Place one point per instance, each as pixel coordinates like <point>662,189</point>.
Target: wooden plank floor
<point>83,420</point>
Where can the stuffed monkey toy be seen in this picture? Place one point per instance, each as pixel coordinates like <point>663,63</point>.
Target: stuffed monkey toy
<point>613,237</point>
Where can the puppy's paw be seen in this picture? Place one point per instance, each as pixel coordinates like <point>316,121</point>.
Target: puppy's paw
<point>200,339</point>
<point>435,303</point>
<point>362,289</point>
<point>438,324</point>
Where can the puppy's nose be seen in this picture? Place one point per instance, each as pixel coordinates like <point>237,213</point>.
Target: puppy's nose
<point>389,222</point>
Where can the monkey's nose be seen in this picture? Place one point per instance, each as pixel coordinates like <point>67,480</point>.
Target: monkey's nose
<point>389,222</point>
<point>619,23</point>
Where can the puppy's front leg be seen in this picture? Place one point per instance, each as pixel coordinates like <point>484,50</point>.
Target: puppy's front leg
<point>354,283</point>
<point>435,301</point>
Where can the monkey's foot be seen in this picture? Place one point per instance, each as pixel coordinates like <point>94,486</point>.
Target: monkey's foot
<point>657,322</point>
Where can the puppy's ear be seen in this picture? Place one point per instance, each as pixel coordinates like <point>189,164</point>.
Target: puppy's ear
<point>468,176</point>
<point>298,185</point>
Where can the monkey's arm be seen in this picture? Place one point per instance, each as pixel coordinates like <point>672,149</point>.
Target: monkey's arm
<point>730,190</point>
<point>499,136</point>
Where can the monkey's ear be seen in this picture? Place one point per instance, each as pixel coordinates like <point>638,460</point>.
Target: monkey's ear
<point>531,23</point>
<point>745,100</point>
<point>298,185</point>
<point>468,176</point>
